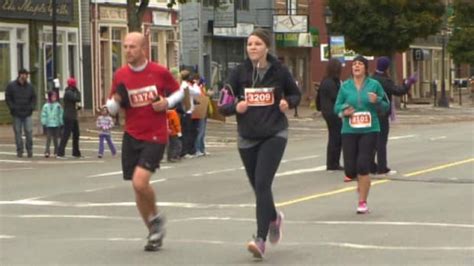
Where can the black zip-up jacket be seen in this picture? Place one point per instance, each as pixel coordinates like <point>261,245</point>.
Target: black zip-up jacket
<point>390,88</point>
<point>71,97</point>
<point>21,99</point>
<point>263,121</point>
<point>328,93</point>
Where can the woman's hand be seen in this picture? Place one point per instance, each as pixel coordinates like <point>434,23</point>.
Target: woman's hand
<point>348,111</point>
<point>241,107</point>
<point>372,97</point>
<point>283,105</point>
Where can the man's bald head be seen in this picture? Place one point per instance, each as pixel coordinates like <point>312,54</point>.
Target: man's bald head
<point>134,48</point>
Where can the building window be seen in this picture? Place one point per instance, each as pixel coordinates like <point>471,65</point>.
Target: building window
<point>13,53</point>
<point>242,5</point>
<point>117,37</point>
<point>154,46</point>
<point>67,56</point>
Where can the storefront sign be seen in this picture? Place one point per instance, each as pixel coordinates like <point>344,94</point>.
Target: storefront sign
<point>36,9</point>
<point>224,14</point>
<point>113,14</point>
<point>161,18</point>
<point>290,23</point>
<point>338,47</point>
<point>242,30</point>
<point>310,39</point>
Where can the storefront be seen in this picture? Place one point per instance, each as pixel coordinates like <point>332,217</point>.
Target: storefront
<point>26,42</point>
<point>109,24</point>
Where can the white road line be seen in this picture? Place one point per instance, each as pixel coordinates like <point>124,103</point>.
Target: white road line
<point>252,220</point>
<point>401,137</point>
<point>6,237</point>
<point>438,138</point>
<point>242,168</point>
<point>120,172</point>
<point>302,171</point>
<point>14,161</point>
<point>15,169</point>
<point>300,158</point>
<point>187,205</point>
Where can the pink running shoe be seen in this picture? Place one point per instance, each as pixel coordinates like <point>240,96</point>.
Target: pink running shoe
<point>362,208</point>
<point>256,247</point>
<point>275,232</point>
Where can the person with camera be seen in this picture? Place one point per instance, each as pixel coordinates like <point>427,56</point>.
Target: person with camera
<point>72,99</point>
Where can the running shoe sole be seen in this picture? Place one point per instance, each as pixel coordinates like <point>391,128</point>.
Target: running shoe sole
<point>253,248</point>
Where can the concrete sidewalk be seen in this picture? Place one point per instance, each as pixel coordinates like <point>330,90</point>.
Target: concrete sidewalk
<point>413,114</point>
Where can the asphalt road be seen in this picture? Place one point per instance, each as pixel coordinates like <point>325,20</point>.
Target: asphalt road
<point>79,211</point>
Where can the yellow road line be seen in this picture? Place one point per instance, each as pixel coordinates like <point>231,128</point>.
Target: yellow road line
<point>342,190</point>
<point>444,166</point>
<point>325,194</point>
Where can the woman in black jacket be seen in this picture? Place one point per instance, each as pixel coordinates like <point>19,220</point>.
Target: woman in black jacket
<point>264,90</point>
<point>327,97</point>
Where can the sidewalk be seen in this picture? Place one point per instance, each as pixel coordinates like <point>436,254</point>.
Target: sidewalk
<point>413,114</point>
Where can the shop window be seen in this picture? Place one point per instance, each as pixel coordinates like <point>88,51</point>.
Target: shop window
<point>117,37</point>
<point>13,52</point>
<point>5,70</point>
<point>243,5</point>
<point>154,46</point>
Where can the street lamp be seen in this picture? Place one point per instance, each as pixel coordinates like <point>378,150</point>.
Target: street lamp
<point>443,100</point>
<point>328,21</point>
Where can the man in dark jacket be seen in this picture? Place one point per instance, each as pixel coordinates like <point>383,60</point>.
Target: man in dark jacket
<point>72,97</point>
<point>382,76</point>
<point>21,100</point>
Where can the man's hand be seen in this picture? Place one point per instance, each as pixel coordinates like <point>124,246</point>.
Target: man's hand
<point>161,105</point>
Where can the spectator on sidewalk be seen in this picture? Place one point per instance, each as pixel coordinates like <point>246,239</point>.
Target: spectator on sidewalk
<point>327,95</point>
<point>72,98</point>
<point>52,120</point>
<point>190,90</point>
<point>20,97</point>
<point>105,123</point>
<point>174,142</point>
<point>383,77</point>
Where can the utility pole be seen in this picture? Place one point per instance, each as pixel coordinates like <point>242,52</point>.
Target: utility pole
<point>55,40</point>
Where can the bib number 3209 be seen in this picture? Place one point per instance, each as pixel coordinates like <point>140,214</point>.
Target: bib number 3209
<point>259,96</point>
<point>360,120</point>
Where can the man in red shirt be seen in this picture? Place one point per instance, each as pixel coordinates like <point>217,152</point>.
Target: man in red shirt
<point>145,90</point>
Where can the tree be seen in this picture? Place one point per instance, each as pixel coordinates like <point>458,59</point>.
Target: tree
<point>171,3</point>
<point>461,43</point>
<point>384,27</point>
<point>135,14</point>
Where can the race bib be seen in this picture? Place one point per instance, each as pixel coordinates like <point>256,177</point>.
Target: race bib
<point>360,120</point>
<point>259,96</point>
<point>142,96</point>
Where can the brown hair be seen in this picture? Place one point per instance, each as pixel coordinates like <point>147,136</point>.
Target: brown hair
<point>334,68</point>
<point>264,35</point>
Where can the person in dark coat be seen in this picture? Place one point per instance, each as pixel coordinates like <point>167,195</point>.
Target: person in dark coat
<point>383,77</point>
<point>327,97</point>
<point>20,97</point>
<point>72,97</point>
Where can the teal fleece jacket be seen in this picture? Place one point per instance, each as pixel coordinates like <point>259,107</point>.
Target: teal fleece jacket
<point>349,96</point>
<point>52,115</point>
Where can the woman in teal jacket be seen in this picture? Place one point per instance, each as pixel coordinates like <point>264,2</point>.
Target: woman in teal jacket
<point>357,103</point>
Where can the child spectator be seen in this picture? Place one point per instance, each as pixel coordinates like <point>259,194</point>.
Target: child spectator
<point>174,129</point>
<point>105,123</point>
<point>52,120</point>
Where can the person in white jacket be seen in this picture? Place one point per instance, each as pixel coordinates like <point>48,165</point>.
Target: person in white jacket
<point>190,90</point>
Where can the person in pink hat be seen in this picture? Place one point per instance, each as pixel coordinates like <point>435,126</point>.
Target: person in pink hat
<point>72,98</point>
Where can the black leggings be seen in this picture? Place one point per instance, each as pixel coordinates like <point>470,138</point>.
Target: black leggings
<point>261,163</point>
<point>358,153</point>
